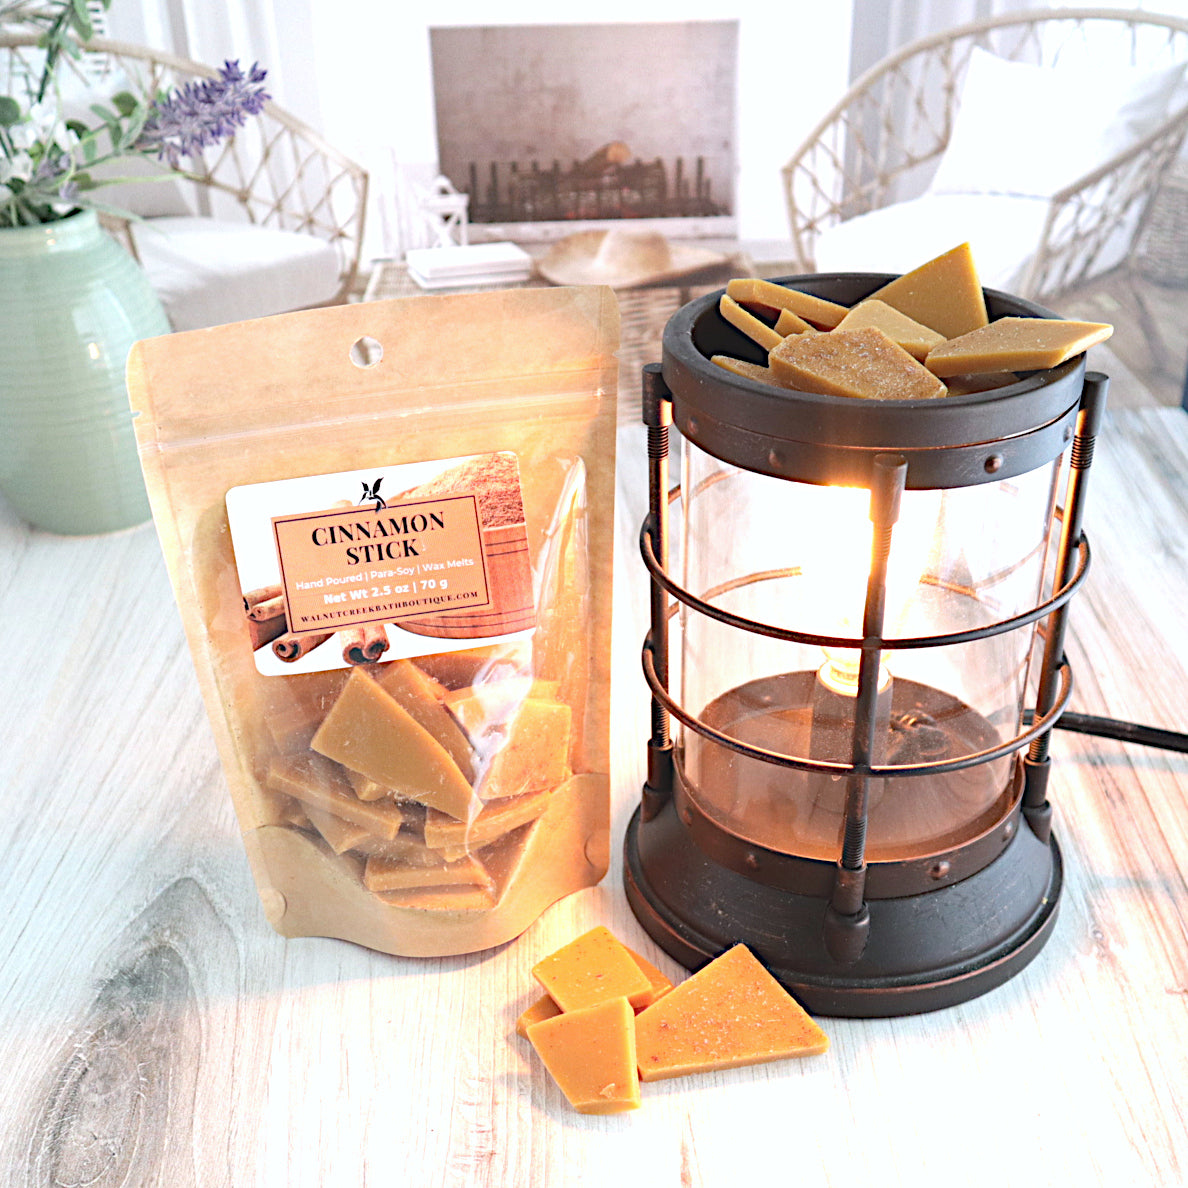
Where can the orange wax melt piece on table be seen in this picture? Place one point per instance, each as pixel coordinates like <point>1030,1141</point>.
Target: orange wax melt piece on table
<point>863,364</point>
<point>661,984</point>
<point>730,1013</point>
<point>545,1008</point>
<point>590,1053</point>
<point>943,294</point>
<point>750,290</point>
<point>1016,344</point>
<point>590,970</point>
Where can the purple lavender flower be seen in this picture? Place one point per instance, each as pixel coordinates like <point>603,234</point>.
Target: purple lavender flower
<point>202,113</point>
<point>48,168</point>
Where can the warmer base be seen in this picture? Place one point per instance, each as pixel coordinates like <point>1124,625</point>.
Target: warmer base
<point>925,952</point>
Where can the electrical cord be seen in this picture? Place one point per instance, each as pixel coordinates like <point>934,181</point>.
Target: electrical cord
<point>1147,736</point>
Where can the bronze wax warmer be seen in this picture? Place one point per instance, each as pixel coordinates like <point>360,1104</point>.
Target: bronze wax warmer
<point>856,674</point>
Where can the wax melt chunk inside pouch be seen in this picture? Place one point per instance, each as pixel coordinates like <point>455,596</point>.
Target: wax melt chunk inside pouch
<point>393,568</point>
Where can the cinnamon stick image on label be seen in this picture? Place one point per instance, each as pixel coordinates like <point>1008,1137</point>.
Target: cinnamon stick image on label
<point>269,608</point>
<point>292,647</point>
<point>364,645</point>
<point>264,609</point>
<point>255,597</point>
<point>263,631</point>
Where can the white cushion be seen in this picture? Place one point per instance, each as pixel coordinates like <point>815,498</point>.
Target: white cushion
<point>211,271</point>
<point>1002,232</point>
<point>162,197</point>
<point>1023,129</point>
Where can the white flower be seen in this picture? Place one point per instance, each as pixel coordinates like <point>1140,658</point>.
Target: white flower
<point>42,125</point>
<point>19,166</point>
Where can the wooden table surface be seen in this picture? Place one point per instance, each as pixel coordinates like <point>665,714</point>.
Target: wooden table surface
<point>155,1031</point>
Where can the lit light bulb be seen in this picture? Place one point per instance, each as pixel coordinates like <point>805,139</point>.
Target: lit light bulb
<point>837,536</point>
<point>840,671</point>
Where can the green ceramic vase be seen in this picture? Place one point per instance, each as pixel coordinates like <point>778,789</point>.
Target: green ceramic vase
<point>72,303</point>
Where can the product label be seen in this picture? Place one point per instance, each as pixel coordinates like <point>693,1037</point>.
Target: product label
<point>342,568</point>
<point>427,557</point>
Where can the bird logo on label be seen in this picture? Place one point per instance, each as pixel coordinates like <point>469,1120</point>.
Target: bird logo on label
<point>372,492</point>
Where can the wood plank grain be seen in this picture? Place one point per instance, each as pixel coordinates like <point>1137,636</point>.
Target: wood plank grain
<point>117,1102</point>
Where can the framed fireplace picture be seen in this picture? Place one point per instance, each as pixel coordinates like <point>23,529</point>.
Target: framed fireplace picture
<point>551,129</point>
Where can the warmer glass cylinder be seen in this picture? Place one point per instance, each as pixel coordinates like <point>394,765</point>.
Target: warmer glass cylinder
<point>799,558</point>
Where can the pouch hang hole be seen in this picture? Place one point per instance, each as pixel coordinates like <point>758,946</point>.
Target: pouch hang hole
<point>366,351</point>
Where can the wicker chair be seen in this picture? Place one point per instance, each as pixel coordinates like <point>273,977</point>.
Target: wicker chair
<point>275,173</point>
<point>880,143</point>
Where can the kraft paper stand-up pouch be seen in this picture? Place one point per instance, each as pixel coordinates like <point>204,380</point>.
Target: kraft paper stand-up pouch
<point>388,527</point>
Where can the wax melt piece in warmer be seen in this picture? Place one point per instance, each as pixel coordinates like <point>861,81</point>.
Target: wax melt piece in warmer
<point>943,294</point>
<point>1016,344</point>
<point>790,323</point>
<point>863,364</point>
<point>755,371</point>
<point>916,339</point>
<point>750,290</point>
<point>750,325</point>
